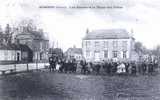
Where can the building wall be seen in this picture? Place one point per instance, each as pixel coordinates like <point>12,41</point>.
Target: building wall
<point>97,49</point>
<point>24,56</point>
<point>38,46</point>
<point>10,55</point>
<point>78,57</point>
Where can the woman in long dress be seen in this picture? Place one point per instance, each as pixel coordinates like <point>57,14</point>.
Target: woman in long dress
<point>121,68</point>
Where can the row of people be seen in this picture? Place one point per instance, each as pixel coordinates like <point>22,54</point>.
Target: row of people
<point>106,67</point>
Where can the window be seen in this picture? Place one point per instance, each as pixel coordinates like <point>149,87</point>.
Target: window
<point>124,54</point>
<point>96,44</point>
<point>88,44</point>
<point>105,53</point>
<point>115,54</point>
<point>87,53</point>
<point>105,44</point>
<point>115,44</point>
<point>6,55</point>
<point>124,45</point>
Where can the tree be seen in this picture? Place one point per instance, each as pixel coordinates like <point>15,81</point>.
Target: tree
<point>8,29</point>
<point>8,34</point>
<point>26,25</point>
<point>138,47</point>
<point>141,49</point>
<point>56,51</point>
<point>156,51</point>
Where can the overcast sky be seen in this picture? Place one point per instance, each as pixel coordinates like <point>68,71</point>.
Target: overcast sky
<point>68,26</point>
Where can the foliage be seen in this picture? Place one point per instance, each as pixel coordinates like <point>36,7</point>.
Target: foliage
<point>156,51</point>
<point>56,51</point>
<point>140,48</point>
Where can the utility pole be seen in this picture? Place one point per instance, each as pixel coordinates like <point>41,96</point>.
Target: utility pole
<point>37,62</point>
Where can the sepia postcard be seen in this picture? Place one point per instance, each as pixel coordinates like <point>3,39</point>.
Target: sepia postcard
<point>79,50</point>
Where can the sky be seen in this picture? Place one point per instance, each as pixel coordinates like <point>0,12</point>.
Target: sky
<point>67,26</point>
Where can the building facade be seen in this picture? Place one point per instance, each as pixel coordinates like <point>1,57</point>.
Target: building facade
<point>11,52</point>
<point>36,41</point>
<point>14,53</point>
<point>115,44</point>
<point>75,53</point>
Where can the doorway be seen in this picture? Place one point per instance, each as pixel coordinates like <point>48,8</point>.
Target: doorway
<point>18,56</point>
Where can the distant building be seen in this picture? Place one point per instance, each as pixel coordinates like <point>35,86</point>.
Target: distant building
<point>9,53</point>
<point>36,41</point>
<point>108,44</point>
<point>14,53</point>
<point>74,53</point>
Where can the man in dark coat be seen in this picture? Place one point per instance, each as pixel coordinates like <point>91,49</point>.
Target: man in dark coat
<point>114,67</point>
<point>144,67</point>
<point>127,66</point>
<point>105,67</point>
<point>97,66</point>
<point>134,70</point>
<point>52,63</point>
<point>83,64</point>
<point>74,65</point>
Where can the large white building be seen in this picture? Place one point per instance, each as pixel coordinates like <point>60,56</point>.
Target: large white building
<point>100,45</point>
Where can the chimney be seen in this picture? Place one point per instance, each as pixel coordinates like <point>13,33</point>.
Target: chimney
<point>87,31</point>
<point>131,32</point>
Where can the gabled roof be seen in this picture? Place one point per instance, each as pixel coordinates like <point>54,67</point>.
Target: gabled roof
<point>5,47</point>
<point>9,47</point>
<point>107,34</point>
<point>14,47</point>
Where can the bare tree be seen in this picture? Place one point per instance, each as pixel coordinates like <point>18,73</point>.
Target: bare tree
<point>8,34</point>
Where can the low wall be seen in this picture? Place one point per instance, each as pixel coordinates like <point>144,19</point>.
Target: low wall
<point>23,67</point>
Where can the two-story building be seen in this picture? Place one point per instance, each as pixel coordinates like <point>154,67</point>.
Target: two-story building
<point>12,52</point>
<point>36,41</point>
<point>100,45</point>
<point>75,53</point>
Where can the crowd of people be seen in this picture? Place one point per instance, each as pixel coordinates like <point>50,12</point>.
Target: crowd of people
<point>104,67</point>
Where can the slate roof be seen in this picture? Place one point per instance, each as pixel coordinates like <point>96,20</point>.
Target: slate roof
<point>107,34</point>
<point>5,47</point>
<point>14,47</point>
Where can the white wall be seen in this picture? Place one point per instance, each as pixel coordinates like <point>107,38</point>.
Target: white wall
<point>110,48</point>
<point>9,55</point>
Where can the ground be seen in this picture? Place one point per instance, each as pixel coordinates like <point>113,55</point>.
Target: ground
<point>46,85</point>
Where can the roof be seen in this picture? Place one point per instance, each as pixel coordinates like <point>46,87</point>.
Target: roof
<point>9,47</point>
<point>5,47</point>
<point>35,35</point>
<point>75,50</point>
<point>24,47</point>
<point>107,34</point>
<point>2,35</point>
<point>14,47</point>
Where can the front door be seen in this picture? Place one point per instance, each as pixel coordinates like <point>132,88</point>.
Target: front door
<point>18,57</point>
